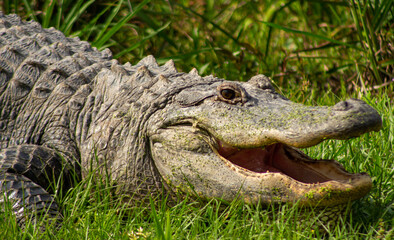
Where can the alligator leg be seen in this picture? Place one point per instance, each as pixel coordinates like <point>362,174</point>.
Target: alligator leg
<point>27,177</point>
<point>28,200</point>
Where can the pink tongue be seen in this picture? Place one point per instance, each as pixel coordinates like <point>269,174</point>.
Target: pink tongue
<point>256,159</point>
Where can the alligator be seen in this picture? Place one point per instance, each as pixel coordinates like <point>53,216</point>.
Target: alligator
<point>67,108</point>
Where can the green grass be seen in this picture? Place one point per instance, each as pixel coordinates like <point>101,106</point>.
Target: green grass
<point>317,52</point>
<point>337,45</point>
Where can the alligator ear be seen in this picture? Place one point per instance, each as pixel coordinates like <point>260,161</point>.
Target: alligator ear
<point>262,82</point>
<point>194,96</point>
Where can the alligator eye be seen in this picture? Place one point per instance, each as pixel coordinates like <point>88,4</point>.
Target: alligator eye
<point>231,92</point>
<point>228,94</point>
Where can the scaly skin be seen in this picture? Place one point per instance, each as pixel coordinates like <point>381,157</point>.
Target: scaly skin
<point>158,131</point>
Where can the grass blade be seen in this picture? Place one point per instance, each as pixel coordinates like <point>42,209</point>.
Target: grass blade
<point>368,37</point>
<point>88,29</point>
<point>152,24</point>
<point>274,15</point>
<point>309,34</point>
<point>135,45</point>
<point>158,225</point>
<point>229,35</point>
<point>29,9</point>
<point>48,13</point>
<point>187,55</point>
<point>75,13</point>
<point>108,22</point>
<point>381,14</point>
<point>118,25</point>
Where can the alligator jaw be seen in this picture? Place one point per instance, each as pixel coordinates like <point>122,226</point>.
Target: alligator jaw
<point>310,182</point>
<point>282,159</point>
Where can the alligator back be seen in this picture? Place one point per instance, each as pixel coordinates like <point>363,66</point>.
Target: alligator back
<point>41,70</point>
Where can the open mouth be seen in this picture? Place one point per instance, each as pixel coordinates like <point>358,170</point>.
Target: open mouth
<point>283,159</point>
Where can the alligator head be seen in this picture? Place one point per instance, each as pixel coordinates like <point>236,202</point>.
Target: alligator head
<point>225,139</point>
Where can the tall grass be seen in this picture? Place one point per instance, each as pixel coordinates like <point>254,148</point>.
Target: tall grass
<point>317,52</point>
<point>328,44</point>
